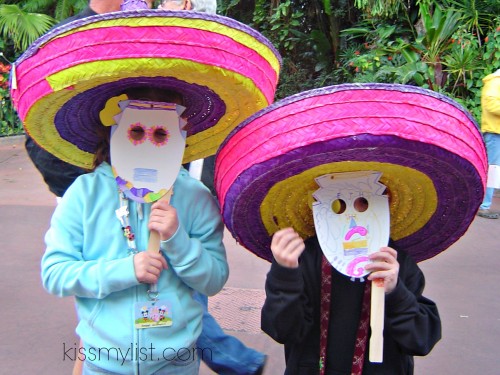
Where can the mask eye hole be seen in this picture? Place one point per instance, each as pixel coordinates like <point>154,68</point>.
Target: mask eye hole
<point>159,135</point>
<point>360,204</point>
<point>136,133</point>
<point>339,206</point>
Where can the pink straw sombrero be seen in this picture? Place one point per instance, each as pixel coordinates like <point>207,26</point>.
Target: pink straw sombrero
<point>428,148</point>
<point>225,70</point>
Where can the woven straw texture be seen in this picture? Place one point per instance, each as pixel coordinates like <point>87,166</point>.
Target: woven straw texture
<point>225,71</point>
<point>428,148</point>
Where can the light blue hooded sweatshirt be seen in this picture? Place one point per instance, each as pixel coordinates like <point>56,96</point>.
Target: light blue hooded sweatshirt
<point>87,257</point>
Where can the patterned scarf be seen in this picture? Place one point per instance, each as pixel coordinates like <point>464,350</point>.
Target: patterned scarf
<point>364,321</point>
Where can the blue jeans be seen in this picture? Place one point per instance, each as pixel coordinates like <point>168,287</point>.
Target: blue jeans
<point>225,354</point>
<point>492,141</point>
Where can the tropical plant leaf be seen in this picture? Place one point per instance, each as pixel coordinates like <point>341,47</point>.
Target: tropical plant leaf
<point>22,27</point>
<point>37,6</point>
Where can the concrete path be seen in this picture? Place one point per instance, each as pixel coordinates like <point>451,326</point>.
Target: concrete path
<point>37,328</point>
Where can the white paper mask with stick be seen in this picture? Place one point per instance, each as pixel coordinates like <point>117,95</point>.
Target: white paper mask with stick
<point>351,217</point>
<point>147,147</point>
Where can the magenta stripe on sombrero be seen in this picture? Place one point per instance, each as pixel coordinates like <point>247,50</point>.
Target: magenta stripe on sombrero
<point>38,91</point>
<point>458,184</point>
<point>235,57</point>
<point>346,87</point>
<point>271,133</point>
<point>68,47</point>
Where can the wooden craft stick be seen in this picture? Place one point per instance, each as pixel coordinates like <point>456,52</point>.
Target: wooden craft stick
<point>377,308</point>
<point>154,236</point>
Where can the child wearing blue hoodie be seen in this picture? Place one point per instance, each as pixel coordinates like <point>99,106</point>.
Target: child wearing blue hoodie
<point>125,329</point>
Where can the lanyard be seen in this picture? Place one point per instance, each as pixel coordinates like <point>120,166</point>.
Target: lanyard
<point>122,214</point>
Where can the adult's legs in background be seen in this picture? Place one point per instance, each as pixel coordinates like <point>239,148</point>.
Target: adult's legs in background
<point>492,141</point>
<point>223,353</point>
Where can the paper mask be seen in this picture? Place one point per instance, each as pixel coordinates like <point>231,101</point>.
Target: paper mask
<point>147,147</point>
<point>351,217</point>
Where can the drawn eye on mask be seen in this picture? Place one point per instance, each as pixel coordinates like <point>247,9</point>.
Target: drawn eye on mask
<point>351,218</point>
<point>147,146</point>
<point>158,135</point>
<point>138,133</point>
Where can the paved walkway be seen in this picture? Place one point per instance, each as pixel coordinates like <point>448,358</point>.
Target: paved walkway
<point>37,328</point>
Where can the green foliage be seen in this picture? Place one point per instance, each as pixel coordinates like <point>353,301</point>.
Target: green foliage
<point>22,27</point>
<point>68,8</point>
<point>21,23</point>
<point>293,79</point>
<point>282,25</point>
<point>58,9</point>
<point>225,7</point>
<point>381,8</point>
<point>463,63</point>
<point>384,56</point>
<point>475,15</point>
<point>9,121</point>
<point>37,6</point>
<point>491,55</point>
<point>488,63</point>
<point>441,53</point>
<point>284,22</point>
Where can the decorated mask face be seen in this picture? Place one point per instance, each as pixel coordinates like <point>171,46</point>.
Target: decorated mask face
<point>351,217</point>
<point>147,147</point>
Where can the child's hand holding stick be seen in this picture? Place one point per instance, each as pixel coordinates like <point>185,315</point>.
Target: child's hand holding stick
<point>384,276</point>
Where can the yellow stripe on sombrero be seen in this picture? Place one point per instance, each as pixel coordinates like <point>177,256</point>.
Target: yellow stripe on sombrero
<point>289,202</point>
<point>45,133</point>
<point>212,26</point>
<point>207,142</point>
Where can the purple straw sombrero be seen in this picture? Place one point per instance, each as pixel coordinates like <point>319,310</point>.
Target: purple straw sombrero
<point>225,71</point>
<point>428,148</point>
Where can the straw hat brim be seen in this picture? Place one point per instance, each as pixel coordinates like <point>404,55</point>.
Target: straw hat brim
<point>428,148</point>
<point>224,70</point>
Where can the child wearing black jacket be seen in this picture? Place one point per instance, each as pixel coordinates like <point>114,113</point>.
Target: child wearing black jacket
<point>291,313</point>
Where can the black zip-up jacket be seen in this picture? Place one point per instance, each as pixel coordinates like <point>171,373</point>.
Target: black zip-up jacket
<point>290,315</point>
